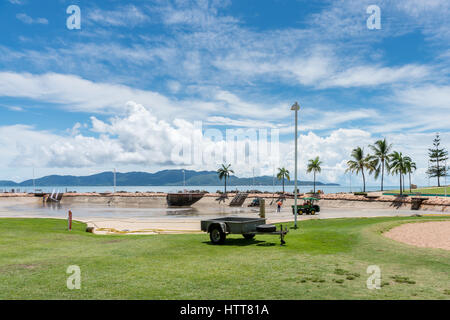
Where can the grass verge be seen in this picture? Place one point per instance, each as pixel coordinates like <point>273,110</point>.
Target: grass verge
<point>432,190</point>
<point>323,259</point>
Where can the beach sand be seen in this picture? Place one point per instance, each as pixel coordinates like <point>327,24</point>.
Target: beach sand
<point>423,234</point>
<point>157,226</point>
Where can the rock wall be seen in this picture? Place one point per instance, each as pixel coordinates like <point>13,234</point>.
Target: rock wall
<point>158,200</point>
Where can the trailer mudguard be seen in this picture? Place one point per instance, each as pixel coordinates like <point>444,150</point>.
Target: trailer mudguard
<point>222,225</point>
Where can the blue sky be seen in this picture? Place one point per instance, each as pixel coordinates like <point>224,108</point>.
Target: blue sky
<point>125,89</point>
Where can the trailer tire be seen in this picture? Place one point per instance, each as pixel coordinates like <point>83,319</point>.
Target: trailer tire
<point>300,212</point>
<point>249,236</point>
<point>216,235</point>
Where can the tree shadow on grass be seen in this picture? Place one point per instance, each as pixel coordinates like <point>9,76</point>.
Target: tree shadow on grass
<point>267,244</point>
<point>237,242</point>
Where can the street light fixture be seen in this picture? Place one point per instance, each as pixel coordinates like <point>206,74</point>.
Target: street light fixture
<point>295,107</point>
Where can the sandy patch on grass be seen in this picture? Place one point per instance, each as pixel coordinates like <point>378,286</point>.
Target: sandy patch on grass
<point>423,234</point>
<point>154,226</point>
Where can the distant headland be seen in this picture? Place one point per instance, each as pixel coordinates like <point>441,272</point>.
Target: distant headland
<point>161,178</point>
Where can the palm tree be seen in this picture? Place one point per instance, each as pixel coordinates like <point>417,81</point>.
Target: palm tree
<point>224,172</point>
<point>282,174</point>
<point>360,163</point>
<point>398,165</point>
<point>381,151</point>
<point>410,166</point>
<point>314,166</point>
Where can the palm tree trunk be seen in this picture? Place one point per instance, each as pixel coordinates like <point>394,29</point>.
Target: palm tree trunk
<point>225,185</point>
<point>409,173</point>
<point>364,181</point>
<point>314,182</point>
<point>401,184</point>
<point>382,174</point>
<point>283,185</point>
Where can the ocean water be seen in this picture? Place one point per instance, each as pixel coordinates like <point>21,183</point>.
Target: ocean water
<point>211,189</point>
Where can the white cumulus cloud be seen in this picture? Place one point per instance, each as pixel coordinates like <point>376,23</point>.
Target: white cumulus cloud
<point>29,20</point>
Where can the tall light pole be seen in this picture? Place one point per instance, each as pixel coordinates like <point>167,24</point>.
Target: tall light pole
<point>350,175</point>
<point>445,177</point>
<point>34,183</point>
<point>295,107</point>
<point>273,182</point>
<point>253,181</point>
<point>114,180</point>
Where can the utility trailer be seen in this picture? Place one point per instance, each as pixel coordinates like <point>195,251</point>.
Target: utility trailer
<point>219,228</point>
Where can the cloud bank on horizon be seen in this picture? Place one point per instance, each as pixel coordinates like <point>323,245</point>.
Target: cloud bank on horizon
<point>124,89</point>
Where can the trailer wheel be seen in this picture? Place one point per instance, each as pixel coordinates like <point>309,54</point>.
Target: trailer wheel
<point>249,236</point>
<point>300,212</point>
<point>217,236</point>
<point>313,212</point>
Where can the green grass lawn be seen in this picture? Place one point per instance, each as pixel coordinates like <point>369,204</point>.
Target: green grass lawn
<point>432,190</point>
<point>324,259</point>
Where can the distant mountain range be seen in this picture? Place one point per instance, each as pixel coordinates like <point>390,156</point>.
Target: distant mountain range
<point>160,178</point>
